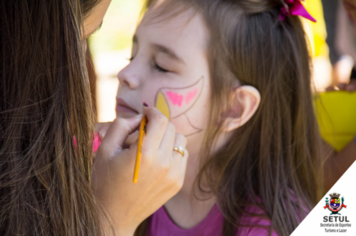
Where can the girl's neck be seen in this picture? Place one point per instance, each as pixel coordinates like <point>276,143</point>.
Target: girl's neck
<point>184,208</point>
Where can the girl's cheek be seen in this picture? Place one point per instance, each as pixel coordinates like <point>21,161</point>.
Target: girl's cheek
<point>183,105</point>
<point>186,127</point>
<point>177,101</point>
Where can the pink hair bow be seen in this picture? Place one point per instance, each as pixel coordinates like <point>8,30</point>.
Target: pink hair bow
<point>295,8</point>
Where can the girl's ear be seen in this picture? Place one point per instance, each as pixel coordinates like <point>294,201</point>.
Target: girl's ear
<point>243,105</point>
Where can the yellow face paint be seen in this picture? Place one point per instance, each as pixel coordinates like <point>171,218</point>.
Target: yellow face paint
<point>162,106</point>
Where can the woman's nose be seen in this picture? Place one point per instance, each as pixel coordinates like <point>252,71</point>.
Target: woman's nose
<point>129,76</point>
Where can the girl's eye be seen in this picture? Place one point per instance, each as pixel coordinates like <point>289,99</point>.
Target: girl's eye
<point>160,69</point>
<point>130,59</point>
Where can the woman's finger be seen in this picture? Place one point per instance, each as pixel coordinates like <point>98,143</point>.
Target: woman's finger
<point>168,138</point>
<point>132,138</point>
<point>178,162</point>
<point>180,142</point>
<point>119,130</point>
<point>102,128</point>
<point>166,145</point>
<point>156,127</point>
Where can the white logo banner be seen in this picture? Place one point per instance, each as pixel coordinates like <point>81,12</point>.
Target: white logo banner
<point>335,214</point>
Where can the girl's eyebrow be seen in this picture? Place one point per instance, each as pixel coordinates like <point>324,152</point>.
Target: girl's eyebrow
<point>170,52</point>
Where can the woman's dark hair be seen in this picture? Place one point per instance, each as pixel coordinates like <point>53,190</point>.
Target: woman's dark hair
<point>273,161</point>
<point>45,182</point>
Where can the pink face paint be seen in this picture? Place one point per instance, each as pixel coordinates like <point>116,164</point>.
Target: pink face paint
<point>191,95</point>
<point>175,98</point>
<point>177,101</point>
<point>96,141</point>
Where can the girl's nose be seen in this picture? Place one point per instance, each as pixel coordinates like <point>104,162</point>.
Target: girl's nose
<point>129,77</point>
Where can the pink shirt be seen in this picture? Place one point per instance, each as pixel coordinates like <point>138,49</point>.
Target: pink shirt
<point>160,224</point>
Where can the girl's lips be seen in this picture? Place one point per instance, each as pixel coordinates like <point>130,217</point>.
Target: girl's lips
<point>123,107</point>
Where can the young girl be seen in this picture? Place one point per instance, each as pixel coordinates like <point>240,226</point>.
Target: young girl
<point>234,78</point>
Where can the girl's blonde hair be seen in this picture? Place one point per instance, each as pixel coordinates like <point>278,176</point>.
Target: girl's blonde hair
<point>274,160</point>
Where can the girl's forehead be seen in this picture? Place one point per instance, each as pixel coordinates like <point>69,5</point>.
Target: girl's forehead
<point>180,27</point>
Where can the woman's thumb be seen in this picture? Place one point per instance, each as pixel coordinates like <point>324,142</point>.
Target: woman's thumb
<point>117,133</point>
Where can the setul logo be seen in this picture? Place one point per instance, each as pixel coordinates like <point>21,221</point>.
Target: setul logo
<point>335,222</point>
<point>335,206</point>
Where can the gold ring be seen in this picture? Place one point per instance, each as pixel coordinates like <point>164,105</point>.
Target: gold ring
<point>179,149</point>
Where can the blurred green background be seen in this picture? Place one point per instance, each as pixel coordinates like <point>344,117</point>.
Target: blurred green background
<point>110,48</point>
<point>118,27</point>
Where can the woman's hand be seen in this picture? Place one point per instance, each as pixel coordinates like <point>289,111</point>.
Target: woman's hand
<point>102,128</point>
<point>161,173</point>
